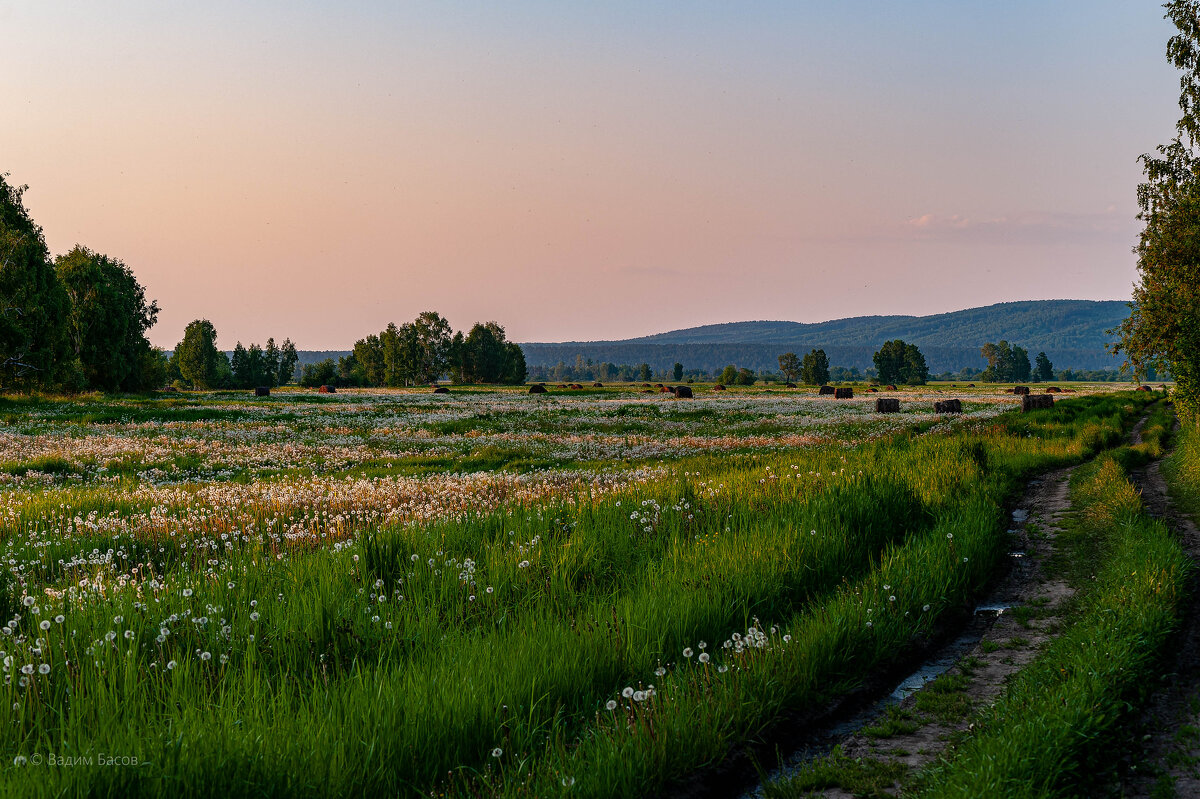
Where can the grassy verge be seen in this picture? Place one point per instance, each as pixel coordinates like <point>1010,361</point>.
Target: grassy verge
<point>1182,472</point>
<point>1049,732</point>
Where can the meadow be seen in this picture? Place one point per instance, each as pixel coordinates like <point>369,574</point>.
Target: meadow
<point>486,593</point>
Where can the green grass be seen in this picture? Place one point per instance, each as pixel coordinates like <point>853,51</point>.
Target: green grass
<point>1182,472</point>
<point>1052,730</point>
<point>369,659</point>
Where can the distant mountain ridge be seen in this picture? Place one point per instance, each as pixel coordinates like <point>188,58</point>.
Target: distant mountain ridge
<point>1071,332</point>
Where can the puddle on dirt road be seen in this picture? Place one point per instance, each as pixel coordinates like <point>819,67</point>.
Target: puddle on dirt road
<point>985,614</point>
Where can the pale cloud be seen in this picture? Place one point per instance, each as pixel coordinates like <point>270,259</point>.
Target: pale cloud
<point>1024,227</point>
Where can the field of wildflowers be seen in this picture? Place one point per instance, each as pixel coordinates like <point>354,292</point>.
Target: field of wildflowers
<point>599,593</point>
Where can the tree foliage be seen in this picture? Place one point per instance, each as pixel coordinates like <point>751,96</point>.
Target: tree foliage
<point>1007,363</point>
<point>424,350</point>
<point>1043,369</point>
<point>108,320</point>
<point>814,371</point>
<point>34,348</point>
<point>197,356</point>
<point>789,366</point>
<point>898,362</point>
<point>1163,330</point>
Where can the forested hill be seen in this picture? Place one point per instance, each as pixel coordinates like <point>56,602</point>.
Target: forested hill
<point>1072,332</point>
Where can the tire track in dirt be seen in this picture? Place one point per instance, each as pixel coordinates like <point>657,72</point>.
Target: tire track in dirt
<point>1008,629</point>
<point>1009,639</point>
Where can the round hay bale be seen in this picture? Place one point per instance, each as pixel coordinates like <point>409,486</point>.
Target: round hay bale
<point>597,384</point>
<point>1021,390</point>
<point>537,388</point>
<point>1053,390</point>
<point>890,387</point>
<point>441,390</point>
<point>649,391</point>
<point>645,385</point>
<point>843,393</point>
<point>718,387</point>
<point>887,405</point>
<point>789,385</point>
<point>683,392</point>
<point>823,390</point>
<point>872,391</point>
<point>326,390</point>
<point>1143,388</point>
<point>262,391</point>
<point>1033,402</point>
<point>665,389</point>
<point>970,385</point>
<point>947,406</point>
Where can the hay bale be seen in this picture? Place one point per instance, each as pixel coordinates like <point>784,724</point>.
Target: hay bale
<point>872,391</point>
<point>1020,390</point>
<point>1053,390</point>
<point>1068,391</point>
<point>718,387</point>
<point>1143,388</point>
<point>683,392</point>
<point>823,390</point>
<point>537,389</point>
<point>597,384</point>
<point>665,390</point>
<point>441,390</point>
<point>645,385</point>
<point>262,391</point>
<point>576,387</point>
<point>947,406</point>
<point>789,385</point>
<point>970,385</point>
<point>1034,402</point>
<point>649,391</point>
<point>890,387</point>
<point>326,390</point>
<point>887,405</point>
<point>843,393</point>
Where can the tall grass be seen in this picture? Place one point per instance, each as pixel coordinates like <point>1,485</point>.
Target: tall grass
<point>483,653</point>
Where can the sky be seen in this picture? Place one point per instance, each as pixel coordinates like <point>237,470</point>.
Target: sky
<point>580,171</point>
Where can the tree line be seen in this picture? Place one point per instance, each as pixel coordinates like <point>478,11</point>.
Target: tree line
<point>197,363</point>
<point>423,351</point>
<point>78,322</point>
<point>895,362</point>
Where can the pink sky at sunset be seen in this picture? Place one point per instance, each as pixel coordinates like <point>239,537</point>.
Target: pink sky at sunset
<point>317,170</point>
